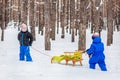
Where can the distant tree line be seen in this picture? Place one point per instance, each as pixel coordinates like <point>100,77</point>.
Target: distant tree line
<point>71,16</point>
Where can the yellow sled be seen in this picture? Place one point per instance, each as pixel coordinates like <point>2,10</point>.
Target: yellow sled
<point>75,56</point>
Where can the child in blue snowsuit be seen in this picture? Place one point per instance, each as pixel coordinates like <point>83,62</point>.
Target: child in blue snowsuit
<point>25,39</point>
<point>96,53</point>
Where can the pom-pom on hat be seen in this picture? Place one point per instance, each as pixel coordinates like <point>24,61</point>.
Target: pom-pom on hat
<point>96,34</point>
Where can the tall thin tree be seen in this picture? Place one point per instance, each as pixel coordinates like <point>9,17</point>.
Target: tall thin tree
<point>109,22</point>
<point>82,28</point>
<point>72,17</point>
<point>62,18</point>
<point>47,25</point>
<point>53,19</point>
<point>31,18</point>
<point>3,19</point>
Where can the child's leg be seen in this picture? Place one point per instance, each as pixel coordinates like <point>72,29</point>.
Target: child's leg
<point>92,65</point>
<point>27,53</point>
<point>102,65</point>
<point>22,54</point>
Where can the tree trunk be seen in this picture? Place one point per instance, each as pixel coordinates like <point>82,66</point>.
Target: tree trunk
<point>62,18</point>
<point>19,11</point>
<point>97,17</point>
<point>82,28</point>
<point>93,9</point>
<point>1,14</point>
<point>24,11</point>
<point>118,14</point>
<point>67,15</point>
<point>3,19</point>
<point>15,10</point>
<point>72,16</point>
<point>105,8</point>
<point>11,10</point>
<point>6,13</point>
<point>110,23</point>
<point>47,25</point>
<point>31,19</point>
<point>58,16</point>
<point>77,17</point>
<point>41,17</point>
<point>53,19</point>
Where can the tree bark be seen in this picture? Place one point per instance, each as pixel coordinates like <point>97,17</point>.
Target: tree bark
<point>53,19</point>
<point>3,19</point>
<point>62,18</point>
<point>110,23</point>
<point>6,13</point>
<point>47,25</point>
<point>67,15</point>
<point>11,10</point>
<point>105,8</point>
<point>31,18</point>
<point>58,15</point>
<point>93,9</point>
<point>41,17</point>
<point>15,10</point>
<point>24,11</point>
<point>1,14</point>
<point>72,17</point>
<point>82,28</point>
<point>19,11</point>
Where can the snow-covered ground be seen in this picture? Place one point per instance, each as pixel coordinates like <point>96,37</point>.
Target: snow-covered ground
<point>41,68</point>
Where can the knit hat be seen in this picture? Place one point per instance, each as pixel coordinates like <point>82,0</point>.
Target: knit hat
<point>96,34</point>
<point>23,27</point>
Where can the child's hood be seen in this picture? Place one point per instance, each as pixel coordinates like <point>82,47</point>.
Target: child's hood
<point>97,40</point>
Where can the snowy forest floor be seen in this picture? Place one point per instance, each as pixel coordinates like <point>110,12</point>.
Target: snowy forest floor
<point>41,68</point>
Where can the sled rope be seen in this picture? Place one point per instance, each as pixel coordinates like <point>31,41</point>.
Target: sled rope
<point>40,52</point>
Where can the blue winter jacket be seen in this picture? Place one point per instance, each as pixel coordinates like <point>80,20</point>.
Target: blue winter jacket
<point>96,50</point>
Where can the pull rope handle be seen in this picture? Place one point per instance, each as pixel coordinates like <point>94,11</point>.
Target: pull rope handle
<point>41,52</point>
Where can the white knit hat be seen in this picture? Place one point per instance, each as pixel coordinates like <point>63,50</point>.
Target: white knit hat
<point>23,27</point>
<point>96,34</point>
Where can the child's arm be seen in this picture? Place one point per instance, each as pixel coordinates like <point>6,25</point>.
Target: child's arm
<point>18,36</point>
<point>31,39</point>
<point>90,50</point>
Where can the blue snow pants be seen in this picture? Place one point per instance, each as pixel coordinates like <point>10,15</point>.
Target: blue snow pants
<point>25,53</point>
<point>101,64</point>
